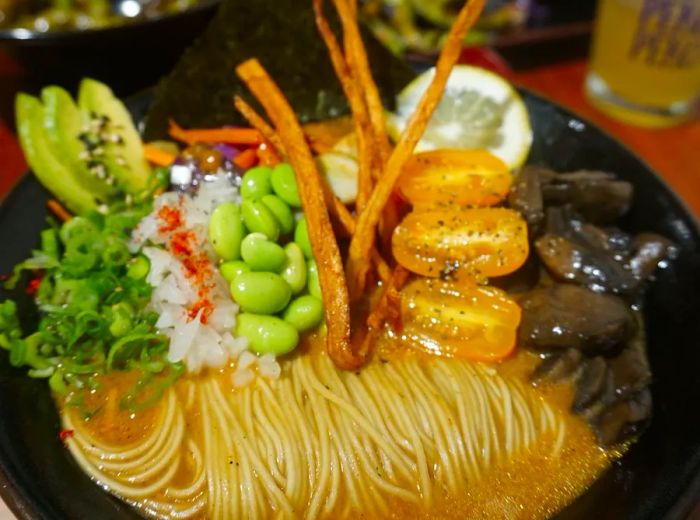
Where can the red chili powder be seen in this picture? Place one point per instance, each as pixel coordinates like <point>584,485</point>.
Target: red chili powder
<point>66,434</point>
<point>197,267</point>
<point>181,243</point>
<point>33,286</point>
<point>171,219</point>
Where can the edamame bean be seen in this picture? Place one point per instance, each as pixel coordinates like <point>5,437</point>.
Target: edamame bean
<point>256,183</point>
<point>261,293</point>
<point>294,270</point>
<point>262,255</point>
<point>301,237</point>
<point>284,184</point>
<point>267,334</point>
<point>312,281</point>
<point>281,211</point>
<point>229,270</point>
<point>304,313</point>
<point>259,219</point>
<point>226,231</point>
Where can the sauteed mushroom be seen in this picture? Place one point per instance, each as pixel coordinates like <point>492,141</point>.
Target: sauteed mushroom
<point>583,254</point>
<point>579,314</point>
<point>566,316</point>
<point>598,196</point>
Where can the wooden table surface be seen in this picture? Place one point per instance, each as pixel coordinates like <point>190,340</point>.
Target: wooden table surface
<point>674,152</point>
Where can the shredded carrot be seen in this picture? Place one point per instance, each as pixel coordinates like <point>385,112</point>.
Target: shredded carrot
<point>364,238</point>
<point>57,209</point>
<point>256,121</point>
<point>246,159</point>
<point>323,243</point>
<point>247,136</point>
<point>363,129</point>
<point>156,156</point>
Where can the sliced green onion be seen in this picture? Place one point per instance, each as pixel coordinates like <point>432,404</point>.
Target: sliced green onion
<point>139,268</point>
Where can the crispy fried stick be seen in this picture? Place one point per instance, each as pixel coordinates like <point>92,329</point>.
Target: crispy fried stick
<point>363,240</point>
<point>256,121</point>
<point>356,57</point>
<point>363,129</point>
<point>358,107</point>
<point>323,243</point>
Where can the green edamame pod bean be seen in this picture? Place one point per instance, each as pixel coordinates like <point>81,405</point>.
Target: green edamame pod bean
<point>262,255</point>
<point>304,313</point>
<point>267,334</point>
<point>294,270</point>
<point>229,270</point>
<point>256,183</point>
<point>226,231</point>
<point>282,212</point>
<point>259,219</point>
<point>301,237</point>
<point>261,293</point>
<point>312,281</point>
<point>284,184</point>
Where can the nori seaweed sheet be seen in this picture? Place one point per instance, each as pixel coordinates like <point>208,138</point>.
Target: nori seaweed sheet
<point>283,36</point>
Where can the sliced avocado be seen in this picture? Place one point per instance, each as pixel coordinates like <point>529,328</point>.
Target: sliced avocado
<point>48,168</point>
<point>123,148</point>
<point>64,124</point>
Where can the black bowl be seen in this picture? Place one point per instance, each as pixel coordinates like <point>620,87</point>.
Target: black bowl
<point>127,57</point>
<point>657,478</point>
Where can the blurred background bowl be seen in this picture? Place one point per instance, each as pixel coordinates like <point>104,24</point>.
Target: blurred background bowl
<point>127,57</point>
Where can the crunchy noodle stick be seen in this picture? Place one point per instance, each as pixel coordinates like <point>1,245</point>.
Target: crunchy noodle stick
<point>353,93</point>
<point>364,237</point>
<point>256,121</point>
<point>386,309</point>
<point>388,306</point>
<point>356,56</point>
<point>323,243</point>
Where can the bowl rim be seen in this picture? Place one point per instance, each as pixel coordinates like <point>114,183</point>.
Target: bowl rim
<point>20,35</point>
<point>24,508</point>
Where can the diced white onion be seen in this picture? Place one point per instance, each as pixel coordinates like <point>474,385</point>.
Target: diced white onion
<point>197,344</point>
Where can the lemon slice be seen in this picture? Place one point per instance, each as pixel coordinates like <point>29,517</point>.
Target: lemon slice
<point>478,109</point>
<point>340,170</point>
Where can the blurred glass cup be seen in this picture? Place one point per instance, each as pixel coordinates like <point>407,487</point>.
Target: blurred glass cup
<point>645,62</point>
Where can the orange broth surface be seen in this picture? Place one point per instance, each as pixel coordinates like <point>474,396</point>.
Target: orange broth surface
<point>532,486</point>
